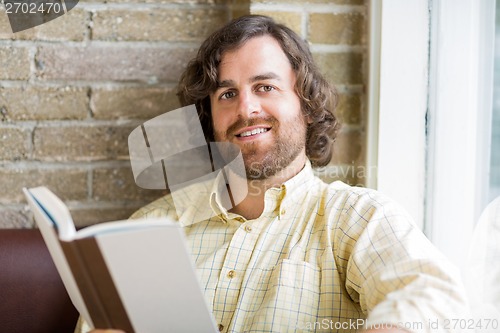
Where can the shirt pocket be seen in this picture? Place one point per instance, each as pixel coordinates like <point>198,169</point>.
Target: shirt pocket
<point>291,302</point>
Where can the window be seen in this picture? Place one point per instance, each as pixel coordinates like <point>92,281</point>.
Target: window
<point>494,179</point>
<point>430,110</point>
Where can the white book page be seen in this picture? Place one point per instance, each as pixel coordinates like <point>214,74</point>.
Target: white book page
<point>156,280</point>
<point>56,211</point>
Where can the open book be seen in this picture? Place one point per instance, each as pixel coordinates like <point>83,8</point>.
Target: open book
<point>136,276</point>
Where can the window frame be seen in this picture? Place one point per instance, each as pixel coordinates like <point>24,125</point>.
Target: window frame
<point>414,146</point>
<point>459,140</point>
<point>392,131</point>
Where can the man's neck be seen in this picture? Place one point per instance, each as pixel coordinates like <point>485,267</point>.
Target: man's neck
<point>252,206</point>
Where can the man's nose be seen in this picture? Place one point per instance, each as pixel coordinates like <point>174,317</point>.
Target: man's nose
<point>248,104</point>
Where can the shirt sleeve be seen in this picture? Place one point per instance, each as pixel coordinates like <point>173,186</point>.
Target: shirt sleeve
<point>161,207</point>
<point>395,273</point>
<point>482,277</point>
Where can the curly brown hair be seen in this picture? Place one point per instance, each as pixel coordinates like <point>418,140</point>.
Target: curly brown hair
<point>318,98</point>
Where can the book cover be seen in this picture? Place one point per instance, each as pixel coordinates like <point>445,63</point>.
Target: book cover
<point>136,275</point>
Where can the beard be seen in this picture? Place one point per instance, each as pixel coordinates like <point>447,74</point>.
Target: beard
<point>263,162</point>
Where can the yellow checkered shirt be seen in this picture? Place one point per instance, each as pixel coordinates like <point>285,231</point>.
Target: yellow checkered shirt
<point>321,257</point>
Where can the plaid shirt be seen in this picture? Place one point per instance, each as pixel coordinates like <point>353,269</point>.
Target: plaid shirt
<point>321,257</point>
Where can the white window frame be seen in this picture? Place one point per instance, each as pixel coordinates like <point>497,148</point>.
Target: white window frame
<point>422,135</point>
<point>460,108</point>
<point>397,101</point>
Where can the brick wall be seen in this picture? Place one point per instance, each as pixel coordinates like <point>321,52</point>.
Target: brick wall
<point>71,91</point>
<point>336,30</point>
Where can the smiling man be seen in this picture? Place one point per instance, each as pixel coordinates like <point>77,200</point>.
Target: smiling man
<point>297,254</point>
<point>255,107</point>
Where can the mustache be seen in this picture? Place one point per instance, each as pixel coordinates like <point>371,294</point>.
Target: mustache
<point>241,123</point>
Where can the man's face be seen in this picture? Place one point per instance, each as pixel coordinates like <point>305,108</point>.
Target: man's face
<point>256,107</point>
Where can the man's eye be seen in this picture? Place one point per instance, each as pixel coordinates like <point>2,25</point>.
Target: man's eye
<point>265,88</point>
<point>227,95</point>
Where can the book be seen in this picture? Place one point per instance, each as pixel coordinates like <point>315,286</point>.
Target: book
<point>137,276</point>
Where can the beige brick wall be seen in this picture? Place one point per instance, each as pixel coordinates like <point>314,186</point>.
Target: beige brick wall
<point>71,91</point>
<point>336,30</point>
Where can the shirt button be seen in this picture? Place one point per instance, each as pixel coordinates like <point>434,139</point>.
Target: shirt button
<point>283,211</point>
<point>248,228</point>
<point>221,327</point>
<point>231,274</point>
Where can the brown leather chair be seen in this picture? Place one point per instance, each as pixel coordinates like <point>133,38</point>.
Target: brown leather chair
<point>32,296</point>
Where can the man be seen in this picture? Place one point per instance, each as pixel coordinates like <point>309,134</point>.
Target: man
<point>297,254</point>
<point>483,265</point>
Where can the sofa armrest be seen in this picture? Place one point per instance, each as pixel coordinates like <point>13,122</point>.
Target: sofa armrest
<point>33,298</point>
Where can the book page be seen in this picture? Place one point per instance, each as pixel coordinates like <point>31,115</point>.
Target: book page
<point>57,212</point>
<point>156,280</point>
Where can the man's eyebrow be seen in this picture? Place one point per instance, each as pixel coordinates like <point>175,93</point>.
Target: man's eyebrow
<point>225,84</point>
<point>260,77</point>
<point>265,76</point>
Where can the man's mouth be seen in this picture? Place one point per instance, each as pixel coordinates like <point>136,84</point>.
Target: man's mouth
<point>252,132</point>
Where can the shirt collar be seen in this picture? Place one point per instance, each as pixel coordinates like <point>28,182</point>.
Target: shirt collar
<point>276,198</point>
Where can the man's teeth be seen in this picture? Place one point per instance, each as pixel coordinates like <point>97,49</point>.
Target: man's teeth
<point>253,132</point>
